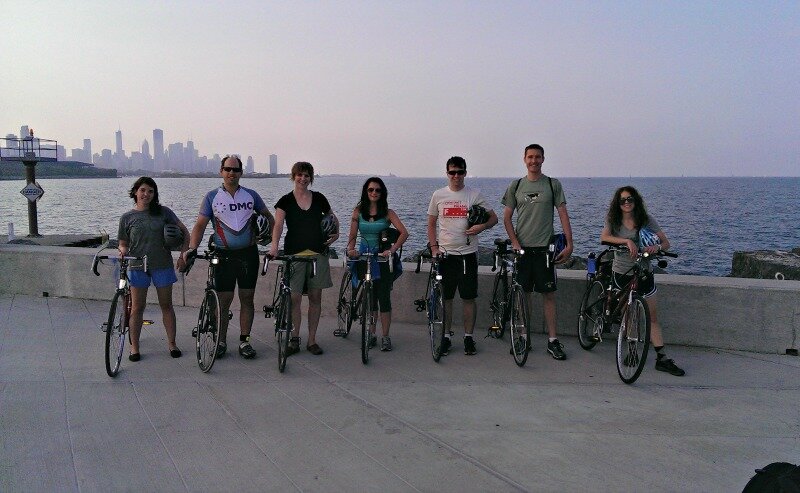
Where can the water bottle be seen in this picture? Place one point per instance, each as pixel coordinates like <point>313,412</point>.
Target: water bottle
<point>591,264</point>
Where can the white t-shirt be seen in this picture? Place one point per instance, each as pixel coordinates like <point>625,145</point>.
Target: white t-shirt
<point>451,209</point>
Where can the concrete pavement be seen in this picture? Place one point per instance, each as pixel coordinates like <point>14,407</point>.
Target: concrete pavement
<point>400,423</point>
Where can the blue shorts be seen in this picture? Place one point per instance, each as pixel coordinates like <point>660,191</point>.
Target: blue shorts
<point>160,278</point>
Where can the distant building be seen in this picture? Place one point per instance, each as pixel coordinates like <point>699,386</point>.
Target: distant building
<point>61,153</point>
<point>158,150</point>
<point>24,131</point>
<point>175,157</point>
<point>12,143</point>
<point>87,150</point>
<point>250,165</point>
<point>273,164</point>
<point>118,135</point>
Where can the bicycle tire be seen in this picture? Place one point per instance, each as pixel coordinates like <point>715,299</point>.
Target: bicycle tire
<point>344,307</point>
<point>519,326</point>
<point>207,331</point>
<point>366,316</point>
<point>283,332</point>
<point>436,321</point>
<point>498,305</point>
<point>116,330</point>
<point>633,340</point>
<point>590,317</point>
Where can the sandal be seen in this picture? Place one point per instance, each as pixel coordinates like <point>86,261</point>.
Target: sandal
<point>134,356</point>
<point>314,349</point>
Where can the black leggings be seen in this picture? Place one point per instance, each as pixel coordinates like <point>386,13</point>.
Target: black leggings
<point>382,291</point>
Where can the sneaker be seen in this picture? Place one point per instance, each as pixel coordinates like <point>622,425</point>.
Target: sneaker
<point>556,350</point>
<point>294,346</point>
<point>373,341</point>
<point>246,350</point>
<point>669,366</point>
<point>386,343</point>
<point>445,346</point>
<point>221,349</point>
<point>469,346</point>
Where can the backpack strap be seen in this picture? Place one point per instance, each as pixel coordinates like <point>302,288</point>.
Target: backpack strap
<point>552,193</point>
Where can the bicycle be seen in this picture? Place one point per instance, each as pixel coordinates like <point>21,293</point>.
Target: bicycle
<point>603,306</point>
<point>281,307</point>
<point>497,306</point>
<point>206,332</point>
<point>433,303</point>
<point>362,301</point>
<point>117,326</point>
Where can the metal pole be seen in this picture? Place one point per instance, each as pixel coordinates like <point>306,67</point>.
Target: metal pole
<point>33,221</point>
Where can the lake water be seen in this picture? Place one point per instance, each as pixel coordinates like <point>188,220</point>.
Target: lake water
<point>706,219</point>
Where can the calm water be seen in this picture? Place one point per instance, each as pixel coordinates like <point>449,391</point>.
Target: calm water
<point>706,219</point>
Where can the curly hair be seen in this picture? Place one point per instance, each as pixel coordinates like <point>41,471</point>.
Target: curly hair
<point>614,216</point>
<point>155,205</point>
<point>383,204</point>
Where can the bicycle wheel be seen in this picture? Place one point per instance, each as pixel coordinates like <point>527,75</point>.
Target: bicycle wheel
<point>519,326</point>
<point>633,340</point>
<point>498,306</point>
<point>116,330</point>
<point>366,316</point>
<point>207,333</point>
<point>344,306</point>
<point>436,317</point>
<point>590,317</point>
<point>283,329</point>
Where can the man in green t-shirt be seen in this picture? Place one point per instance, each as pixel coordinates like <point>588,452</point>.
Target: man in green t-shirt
<point>534,197</point>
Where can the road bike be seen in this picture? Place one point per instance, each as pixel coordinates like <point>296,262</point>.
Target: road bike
<point>364,298</point>
<point>207,332</point>
<point>433,303</point>
<point>499,300</point>
<point>281,307</point>
<point>603,306</point>
<point>117,326</point>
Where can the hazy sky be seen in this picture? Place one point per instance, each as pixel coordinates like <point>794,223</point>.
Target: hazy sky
<point>652,88</point>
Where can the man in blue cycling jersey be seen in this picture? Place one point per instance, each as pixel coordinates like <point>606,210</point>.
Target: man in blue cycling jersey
<point>232,210</point>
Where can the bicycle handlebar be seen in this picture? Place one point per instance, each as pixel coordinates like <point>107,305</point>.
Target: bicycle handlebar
<point>289,259</point>
<point>97,258</point>
<point>378,258</point>
<point>497,255</point>
<point>624,248</point>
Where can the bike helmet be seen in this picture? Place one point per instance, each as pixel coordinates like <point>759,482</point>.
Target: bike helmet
<point>263,230</point>
<point>648,238</point>
<point>173,236</point>
<point>477,215</point>
<point>558,243</point>
<point>329,225</point>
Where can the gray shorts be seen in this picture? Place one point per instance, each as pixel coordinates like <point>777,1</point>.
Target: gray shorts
<point>301,280</point>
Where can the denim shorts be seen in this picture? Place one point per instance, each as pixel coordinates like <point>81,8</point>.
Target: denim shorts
<point>159,277</point>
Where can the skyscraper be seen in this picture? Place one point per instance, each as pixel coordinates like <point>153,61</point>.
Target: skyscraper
<point>250,165</point>
<point>158,150</point>
<point>87,150</point>
<point>118,135</point>
<point>24,132</point>
<point>273,164</point>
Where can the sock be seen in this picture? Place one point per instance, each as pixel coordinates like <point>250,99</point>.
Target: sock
<point>660,353</point>
<point>244,338</point>
<point>552,339</point>
<point>447,335</point>
<point>467,335</point>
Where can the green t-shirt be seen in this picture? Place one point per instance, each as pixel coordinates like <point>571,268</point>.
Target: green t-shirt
<point>533,203</point>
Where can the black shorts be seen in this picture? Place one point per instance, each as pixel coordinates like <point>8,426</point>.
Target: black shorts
<point>236,267</point>
<point>647,283</point>
<point>460,272</point>
<point>535,273</point>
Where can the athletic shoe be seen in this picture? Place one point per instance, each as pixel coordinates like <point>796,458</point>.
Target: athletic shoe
<point>556,350</point>
<point>386,343</point>
<point>294,346</point>
<point>221,349</point>
<point>246,350</point>
<point>469,346</point>
<point>445,346</point>
<point>373,341</point>
<point>669,366</point>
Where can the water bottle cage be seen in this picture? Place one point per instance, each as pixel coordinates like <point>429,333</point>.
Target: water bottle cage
<point>420,304</point>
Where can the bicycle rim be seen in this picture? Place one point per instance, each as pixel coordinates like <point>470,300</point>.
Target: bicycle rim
<point>284,330</point>
<point>366,315</point>
<point>633,340</point>
<point>207,338</point>
<point>115,332</point>
<point>498,306</point>
<point>519,327</point>
<point>590,317</point>
<point>436,316</point>
<point>344,310</point>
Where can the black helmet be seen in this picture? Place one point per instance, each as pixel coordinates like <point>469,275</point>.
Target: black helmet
<point>173,236</point>
<point>263,230</point>
<point>477,215</point>
<point>329,225</point>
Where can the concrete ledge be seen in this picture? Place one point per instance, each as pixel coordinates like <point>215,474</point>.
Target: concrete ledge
<point>759,315</point>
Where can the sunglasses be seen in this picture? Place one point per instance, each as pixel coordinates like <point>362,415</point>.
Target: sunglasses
<point>374,190</point>
<point>627,200</point>
<point>459,172</point>
<point>231,170</point>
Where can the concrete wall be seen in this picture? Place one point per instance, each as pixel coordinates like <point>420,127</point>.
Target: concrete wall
<point>730,313</point>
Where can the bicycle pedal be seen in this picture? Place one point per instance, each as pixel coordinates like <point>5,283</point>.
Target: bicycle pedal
<point>104,327</point>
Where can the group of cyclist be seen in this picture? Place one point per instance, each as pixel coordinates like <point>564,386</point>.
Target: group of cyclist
<point>311,226</point>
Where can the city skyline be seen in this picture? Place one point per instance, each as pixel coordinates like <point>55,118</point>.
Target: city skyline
<point>609,88</point>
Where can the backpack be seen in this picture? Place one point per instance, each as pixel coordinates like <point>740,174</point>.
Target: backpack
<point>559,240</point>
<point>778,477</point>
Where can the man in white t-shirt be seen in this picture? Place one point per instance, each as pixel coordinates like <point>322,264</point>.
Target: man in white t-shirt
<point>449,232</point>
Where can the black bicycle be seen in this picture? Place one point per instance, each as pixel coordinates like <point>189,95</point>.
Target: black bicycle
<point>207,332</point>
<point>499,301</point>
<point>433,302</point>
<point>603,306</point>
<point>281,307</point>
<point>117,326</point>
<point>510,308</point>
<point>363,300</point>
